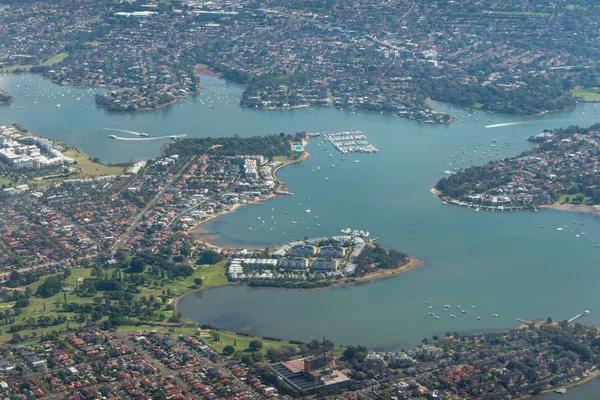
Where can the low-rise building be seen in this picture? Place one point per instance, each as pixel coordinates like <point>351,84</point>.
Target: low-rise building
<point>303,250</point>
<point>295,263</point>
<point>324,264</point>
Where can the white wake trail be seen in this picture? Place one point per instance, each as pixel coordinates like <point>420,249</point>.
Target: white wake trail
<point>506,124</point>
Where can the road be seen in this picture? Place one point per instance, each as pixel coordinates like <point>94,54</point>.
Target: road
<point>124,238</point>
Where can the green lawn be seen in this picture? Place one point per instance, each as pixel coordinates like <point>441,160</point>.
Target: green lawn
<point>95,43</point>
<point>89,168</point>
<point>212,275</point>
<point>56,59</point>
<point>24,67</point>
<point>242,342</point>
<point>563,198</point>
<point>5,181</point>
<point>586,93</point>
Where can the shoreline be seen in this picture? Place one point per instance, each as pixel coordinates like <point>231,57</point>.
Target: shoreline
<point>413,263</point>
<point>196,230</point>
<point>380,274</point>
<point>560,207</point>
<point>574,208</point>
<point>583,381</point>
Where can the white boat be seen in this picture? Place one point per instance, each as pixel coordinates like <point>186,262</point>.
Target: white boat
<point>307,211</point>
<point>144,134</point>
<point>559,229</point>
<point>250,229</point>
<point>58,106</point>
<point>294,222</point>
<point>356,161</point>
<point>112,136</point>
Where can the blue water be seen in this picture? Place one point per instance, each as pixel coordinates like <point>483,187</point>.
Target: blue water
<point>502,263</point>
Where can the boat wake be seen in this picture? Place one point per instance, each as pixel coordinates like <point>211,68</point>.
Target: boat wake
<point>506,124</point>
<point>124,131</point>
<point>152,138</point>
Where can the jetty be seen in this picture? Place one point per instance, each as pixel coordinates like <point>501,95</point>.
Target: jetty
<point>583,314</point>
<point>523,321</point>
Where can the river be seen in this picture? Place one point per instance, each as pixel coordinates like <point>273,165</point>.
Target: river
<point>499,262</point>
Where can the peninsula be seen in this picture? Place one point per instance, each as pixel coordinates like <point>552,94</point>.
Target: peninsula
<point>318,262</point>
<point>560,172</point>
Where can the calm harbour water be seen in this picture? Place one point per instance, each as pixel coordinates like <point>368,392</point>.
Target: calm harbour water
<point>499,262</point>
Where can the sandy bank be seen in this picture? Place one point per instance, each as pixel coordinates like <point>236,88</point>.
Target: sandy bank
<point>198,233</point>
<point>574,208</point>
<point>413,263</point>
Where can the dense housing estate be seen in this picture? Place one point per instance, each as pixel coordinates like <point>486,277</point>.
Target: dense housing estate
<point>503,56</point>
<point>563,167</point>
<point>28,151</point>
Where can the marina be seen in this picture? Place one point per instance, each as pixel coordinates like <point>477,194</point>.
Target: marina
<point>350,142</point>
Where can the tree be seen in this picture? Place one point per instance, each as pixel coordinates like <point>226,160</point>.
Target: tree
<point>228,350</point>
<point>255,345</point>
<point>16,337</point>
<point>50,287</point>
<point>257,356</point>
<point>186,250</point>
<point>247,359</point>
<point>137,265</point>
<point>355,352</point>
<point>549,320</point>
<point>209,257</point>
<point>198,282</point>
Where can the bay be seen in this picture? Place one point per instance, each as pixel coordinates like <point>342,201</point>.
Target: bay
<point>501,263</point>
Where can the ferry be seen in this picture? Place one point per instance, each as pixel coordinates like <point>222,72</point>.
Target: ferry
<point>144,134</point>
<point>112,136</point>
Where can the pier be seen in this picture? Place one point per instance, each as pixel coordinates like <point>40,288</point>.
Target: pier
<point>523,321</point>
<point>583,314</point>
